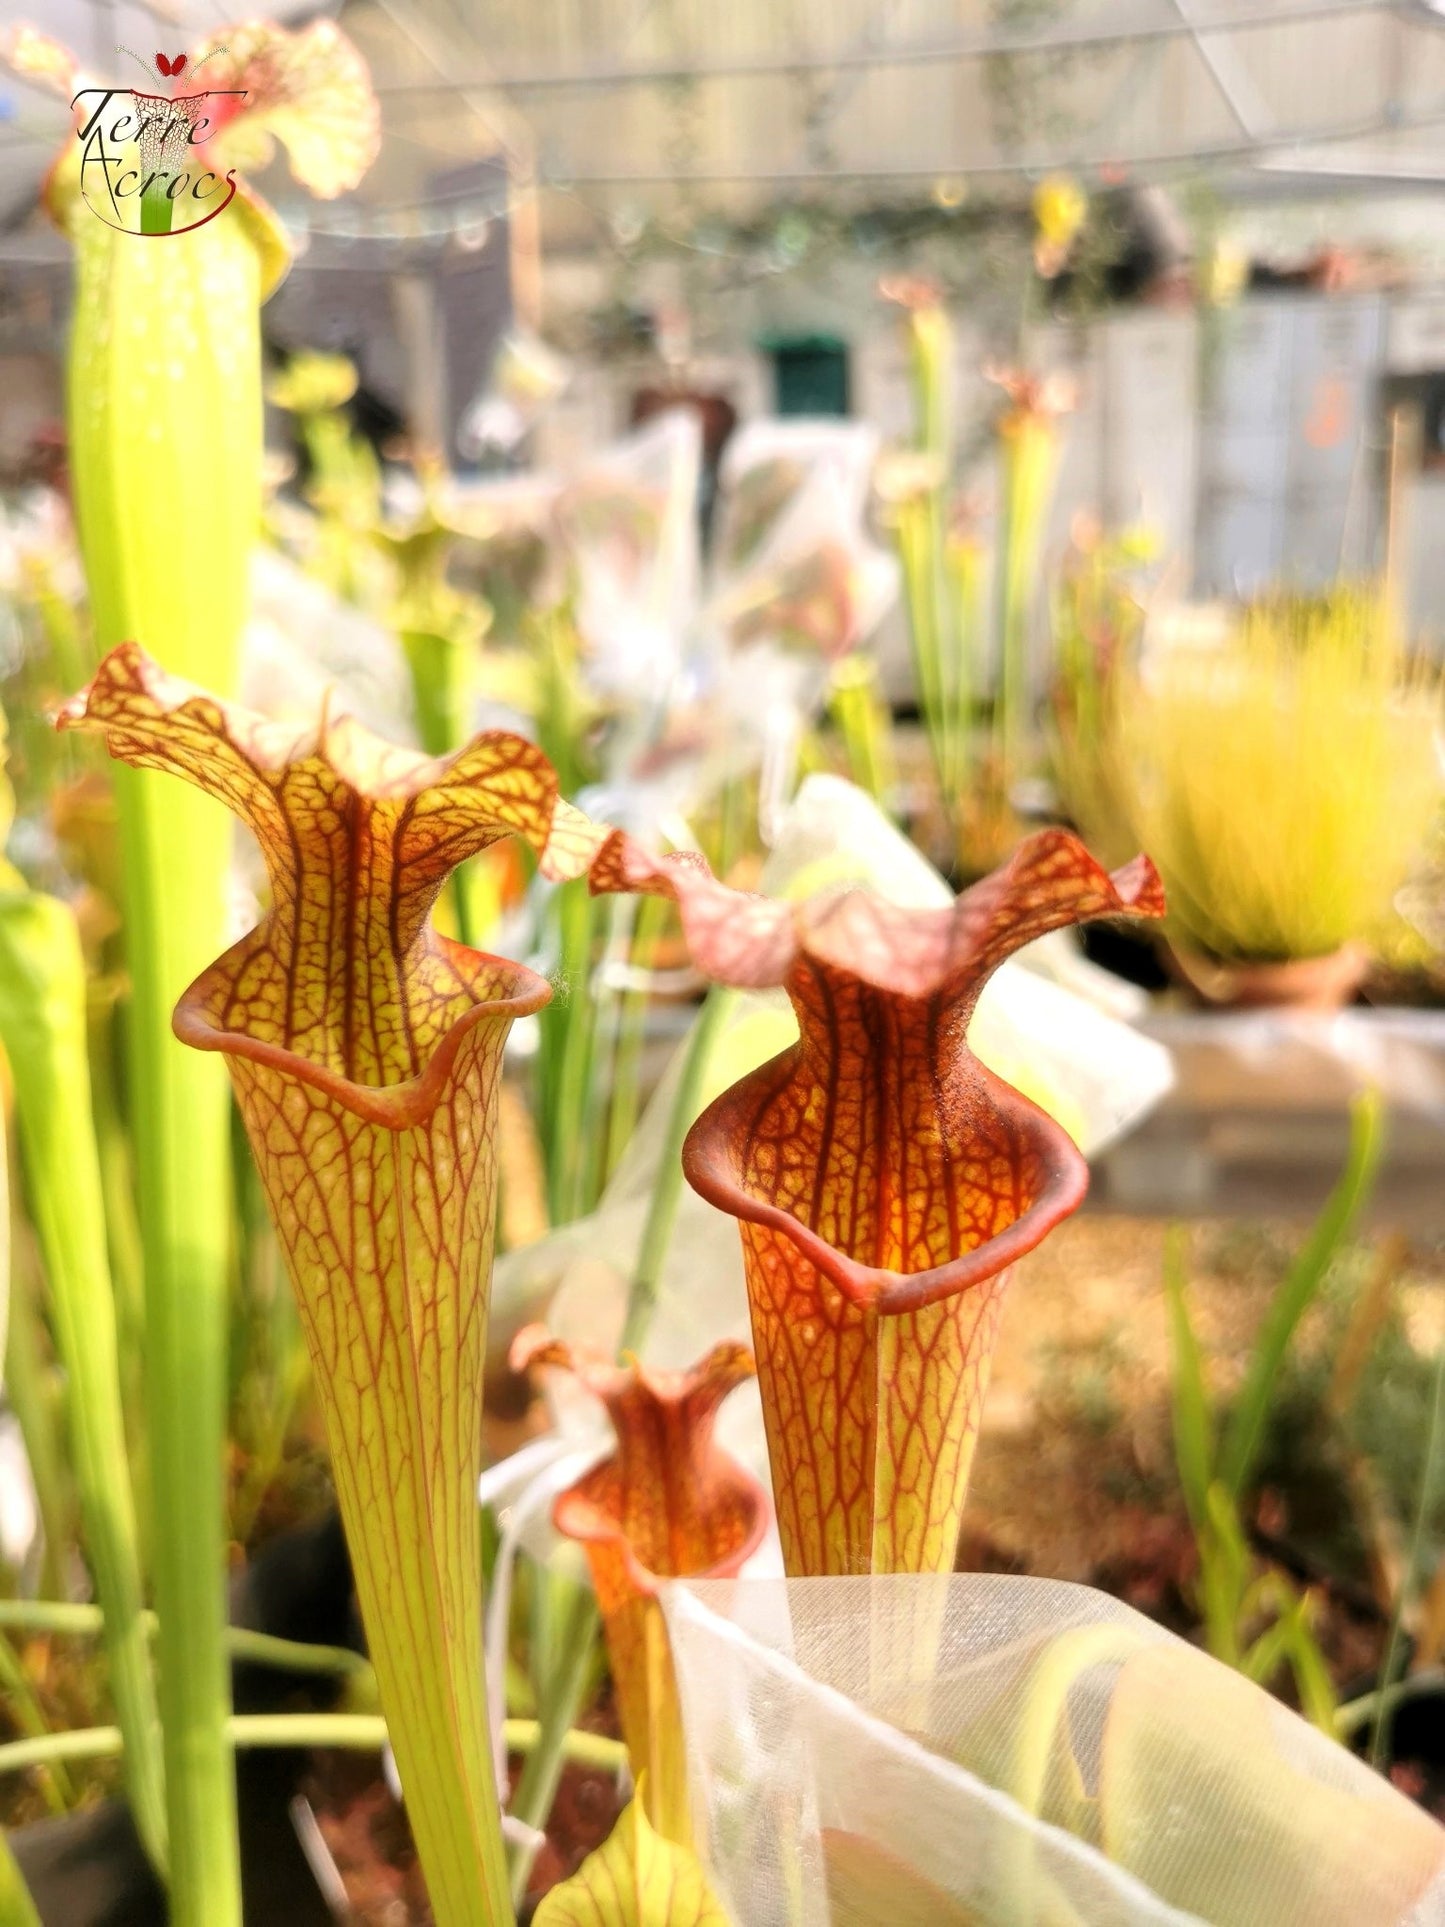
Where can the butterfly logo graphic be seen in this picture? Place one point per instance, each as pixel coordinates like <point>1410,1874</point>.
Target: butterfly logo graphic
<point>171,66</point>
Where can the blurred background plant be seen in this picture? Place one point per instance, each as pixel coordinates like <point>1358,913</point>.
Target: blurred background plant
<point>1098,617</point>
<point>1312,709</point>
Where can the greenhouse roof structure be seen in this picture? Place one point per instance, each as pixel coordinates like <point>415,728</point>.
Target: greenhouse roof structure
<point>747,102</point>
<point>614,105</point>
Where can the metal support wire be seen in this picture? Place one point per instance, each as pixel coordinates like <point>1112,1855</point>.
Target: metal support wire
<point>1229,74</point>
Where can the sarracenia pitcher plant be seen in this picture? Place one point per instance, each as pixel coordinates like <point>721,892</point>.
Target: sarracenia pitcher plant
<point>914,487</point>
<point>667,1503</point>
<point>1029,446</point>
<point>365,1050</point>
<point>883,1179</point>
<point>164,407</point>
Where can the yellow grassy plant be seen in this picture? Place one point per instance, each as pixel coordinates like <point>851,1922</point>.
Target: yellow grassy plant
<point>1284,776</point>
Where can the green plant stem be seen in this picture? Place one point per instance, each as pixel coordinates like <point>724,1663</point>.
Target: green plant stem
<point>667,1189</point>
<point>43,1028</point>
<point>17,1909</point>
<point>921,584</point>
<point>362,1732</point>
<point>23,1710</point>
<point>127,1254</point>
<point>181,1124</point>
<point>650,916</point>
<point>1028,450</point>
<point>59,623</point>
<point>269,1364</point>
<point>53,1749</point>
<point>264,1649</point>
<point>953,681</point>
<point>1013,648</point>
<point>295,1656</point>
<point>1384,1704</point>
<point>963,566</point>
<point>733,820</point>
<point>569,1027</point>
<point>586,1749</point>
<point>562,710</point>
<point>439,681</point>
<point>863,722</point>
<point>561,1702</point>
<point>604,1043</point>
<point>32,1387</point>
<point>1193,1419</point>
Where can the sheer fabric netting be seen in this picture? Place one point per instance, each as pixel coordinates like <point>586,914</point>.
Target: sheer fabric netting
<point>998,1751</point>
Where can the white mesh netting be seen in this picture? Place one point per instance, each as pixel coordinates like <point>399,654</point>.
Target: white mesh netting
<point>628,526</point>
<point>997,1751</point>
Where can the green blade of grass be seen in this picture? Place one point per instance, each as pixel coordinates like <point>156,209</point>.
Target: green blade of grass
<point>1244,1432</point>
<point>1317,1696</point>
<point>1189,1396</point>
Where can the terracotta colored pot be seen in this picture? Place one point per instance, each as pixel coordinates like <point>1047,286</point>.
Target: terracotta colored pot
<point>1298,983</point>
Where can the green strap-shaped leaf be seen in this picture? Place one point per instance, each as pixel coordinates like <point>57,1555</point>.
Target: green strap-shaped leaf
<point>42,1029</point>
<point>165,419</point>
<point>1240,1446</point>
<point>1189,1396</point>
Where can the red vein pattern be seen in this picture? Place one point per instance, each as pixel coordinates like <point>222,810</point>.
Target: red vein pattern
<point>668,1503</point>
<point>883,1178</point>
<point>365,1050</point>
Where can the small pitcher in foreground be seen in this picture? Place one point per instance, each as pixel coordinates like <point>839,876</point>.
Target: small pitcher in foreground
<point>667,1503</point>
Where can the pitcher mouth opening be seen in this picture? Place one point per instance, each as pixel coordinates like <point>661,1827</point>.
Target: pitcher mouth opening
<point>711,1165</point>
<point>396,1107</point>
<point>590,1524</point>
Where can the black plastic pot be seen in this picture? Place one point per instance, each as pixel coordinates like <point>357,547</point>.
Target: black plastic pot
<point>90,1870</point>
